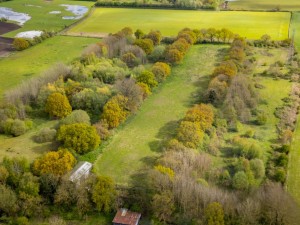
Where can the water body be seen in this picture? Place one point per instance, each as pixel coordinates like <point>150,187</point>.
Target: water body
<point>77,10</point>
<point>11,15</point>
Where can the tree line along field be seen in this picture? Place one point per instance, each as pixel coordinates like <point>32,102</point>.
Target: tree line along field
<point>37,59</point>
<point>290,5</point>
<point>39,12</point>
<point>247,24</point>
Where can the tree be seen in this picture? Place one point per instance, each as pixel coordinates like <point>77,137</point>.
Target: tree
<point>155,36</point>
<point>161,71</point>
<point>173,56</point>
<point>240,181</point>
<point>3,175</point>
<point>227,68</point>
<point>214,214</point>
<point>211,34</point>
<point>202,114</point>
<point>58,105</point>
<point>115,111</point>
<point>8,203</point>
<point>148,78</point>
<point>188,35</point>
<point>29,184</point>
<point>190,134</point>
<point>56,163</point>
<point>258,168</point>
<point>130,59</point>
<point>139,34</point>
<point>80,137</point>
<point>145,44</point>
<point>163,206</point>
<point>20,44</point>
<point>103,194</point>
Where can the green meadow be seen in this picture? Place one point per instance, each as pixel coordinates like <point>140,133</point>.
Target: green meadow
<point>31,62</point>
<point>247,24</point>
<point>39,11</point>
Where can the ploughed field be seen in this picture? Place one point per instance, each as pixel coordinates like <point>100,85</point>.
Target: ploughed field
<point>248,24</point>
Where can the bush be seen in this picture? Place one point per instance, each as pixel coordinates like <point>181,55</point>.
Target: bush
<point>148,78</point>
<point>161,71</point>
<point>258,168</point>
<point>20,44</point>
<point>280,175</point>
<point>155,36</point>
<point>77,116</point>
<point>46,135</point>
<point>58,105</point>
<point>261,118</point>
<point>80,137</point>
<point>15,127</point>
<point>240,181</point>
<point>157,53</point>
<point>22,221</point>
<point>190,134</point>
<point>173,56</point>
<point>102,129</point>
<point>201,114</point>
<point>130,59</point>
<point>145,44</point>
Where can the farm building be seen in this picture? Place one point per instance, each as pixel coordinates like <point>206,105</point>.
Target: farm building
<point>80,171</point>
<point>126,217</point>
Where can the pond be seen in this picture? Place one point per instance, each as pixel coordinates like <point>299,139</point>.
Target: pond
<point>11,15</point>
<point>77,10</point>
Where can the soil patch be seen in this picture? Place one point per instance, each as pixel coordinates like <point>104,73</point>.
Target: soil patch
<point>6,46</point>
<point>7,27</point>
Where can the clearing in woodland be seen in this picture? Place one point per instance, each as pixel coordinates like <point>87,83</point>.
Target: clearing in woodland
<point>247,24</point>
<point>139,140</point>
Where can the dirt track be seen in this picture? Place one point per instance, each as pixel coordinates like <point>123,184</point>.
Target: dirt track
<point>6,43</point>
<point>7,27</point>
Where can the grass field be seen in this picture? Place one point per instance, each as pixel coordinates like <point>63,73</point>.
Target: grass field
<point>295,28</point>
<point>138,142</point>
<point>249,24</point>
<point>41,19</point>
<point>31,62</point>
<point>290,5</point>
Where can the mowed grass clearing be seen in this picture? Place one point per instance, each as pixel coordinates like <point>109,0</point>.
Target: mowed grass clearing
<point>295,29</point>
<point>31,62</point>
<point>134,146</point>
<point>291,5</point>
<point>39,12</point>
<point>247,24</point>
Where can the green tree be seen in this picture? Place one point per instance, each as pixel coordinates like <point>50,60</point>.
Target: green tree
<point>115,111</point>
<point>8,203</point>
<point>80,137</point>
<point>173,56</point>
<point>130,59</point>
<point>58,105</point>
<point>190,134</point>
<point>214,214</point>
<point>161,71</point>
<point>163,206</point>
<point>139,34</point>
<point>103,194</point>
<point>155,36</point>
<point>77,116</point>
<point>29,184</point>
<point>56,163</point>
<point>240,181</point>
<point>148,78</point>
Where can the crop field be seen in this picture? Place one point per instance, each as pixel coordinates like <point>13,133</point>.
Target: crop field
<point>31,62</point>
<point>291,5</point>
<point>140,139</point>
<point>295,29</point>
<point>39,11</point>
<point>248,24</point>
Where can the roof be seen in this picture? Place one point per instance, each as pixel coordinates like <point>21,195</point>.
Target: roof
<point>127,217</point>
<point>82,168</point>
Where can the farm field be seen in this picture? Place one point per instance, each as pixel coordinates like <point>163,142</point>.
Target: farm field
<point>291,5</point>
<point>39,11</point>
<point>295,28</point>
<point>31,62</point>
<point>139,140</point>
<point>248,24</point>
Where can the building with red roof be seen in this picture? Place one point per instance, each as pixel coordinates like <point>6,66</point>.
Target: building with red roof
<point>126,217</point>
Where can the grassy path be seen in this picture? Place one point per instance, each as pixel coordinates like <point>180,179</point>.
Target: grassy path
<point>138,142</point>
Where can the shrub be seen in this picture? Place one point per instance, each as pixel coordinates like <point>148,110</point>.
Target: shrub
<point>258,168</point>
<point>115,111</point>
<point>102,129</point>
<point>20,44</point>
<point>261,118</point>
<point>80,137</point>
<point>157,53</point>
<point>46,135</point>
<point>201,114</point>
<point>155,36</point>
<point>161,71</point>
<point>145,89</point>
<point>58,105</point>
<point>18,128</point>
<point>240,181</point>
<point>77,116</point>
<point>214,214</point>
<point>22,221</point>
<point>188,35</point>
<point>280,175</point>
<point>173,56</point>
<point>148,78</point>
<point>130,59</point>
<point>227,68</point>
<point>139,34</point>
<point>145,44</point>
<point>57,163</point>
<point>190,134</point>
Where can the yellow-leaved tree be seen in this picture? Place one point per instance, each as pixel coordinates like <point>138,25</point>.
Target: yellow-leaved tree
<point>58,105</point>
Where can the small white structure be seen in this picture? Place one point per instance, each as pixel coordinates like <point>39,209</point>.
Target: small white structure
<point>80,171</point>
